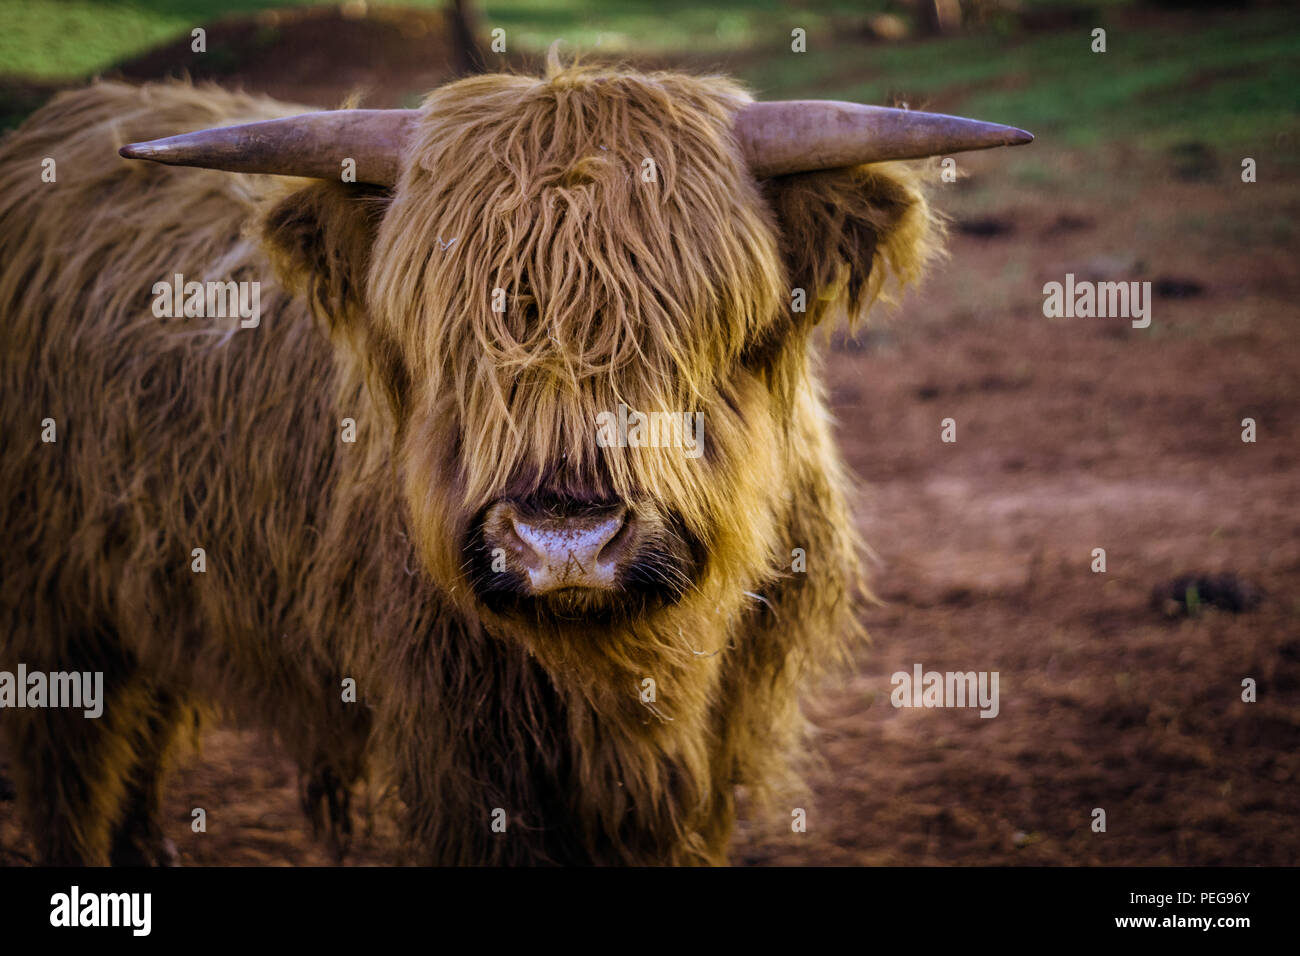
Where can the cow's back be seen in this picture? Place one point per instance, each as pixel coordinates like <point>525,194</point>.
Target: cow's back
<point>171,433</point>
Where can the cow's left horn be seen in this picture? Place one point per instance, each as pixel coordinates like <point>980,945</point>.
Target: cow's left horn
<point>794,136</point>
<point>312,145</point>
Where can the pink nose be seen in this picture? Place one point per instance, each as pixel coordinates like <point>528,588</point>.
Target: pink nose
<point>562,552</point>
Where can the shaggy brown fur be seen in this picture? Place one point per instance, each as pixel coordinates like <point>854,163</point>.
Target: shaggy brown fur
<point>328,559</point>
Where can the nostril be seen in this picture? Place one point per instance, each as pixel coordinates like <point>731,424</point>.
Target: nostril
<point>519,547</point>
<point>615,545</point>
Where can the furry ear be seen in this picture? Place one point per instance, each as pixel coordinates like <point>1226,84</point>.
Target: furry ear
<point>844,232</point>
<point>320,239</point>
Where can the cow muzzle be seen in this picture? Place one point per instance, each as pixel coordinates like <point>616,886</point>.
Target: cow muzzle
<point>560,548</point>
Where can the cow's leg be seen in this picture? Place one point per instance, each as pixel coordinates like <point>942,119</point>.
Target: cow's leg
<point>331,762</point>
<point>79,778</point>
<point>138,838</point>
<point>327,802</point>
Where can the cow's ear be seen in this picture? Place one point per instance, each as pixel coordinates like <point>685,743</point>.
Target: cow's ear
<point>321,239</point>
<point>845,234</point>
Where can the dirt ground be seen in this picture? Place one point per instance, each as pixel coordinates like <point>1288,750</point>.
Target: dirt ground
<point>315,55</point>
<point>1072,435</point>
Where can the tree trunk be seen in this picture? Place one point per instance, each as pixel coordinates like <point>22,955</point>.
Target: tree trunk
<point>467,54</point>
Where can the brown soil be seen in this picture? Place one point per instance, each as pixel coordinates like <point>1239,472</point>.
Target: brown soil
<point>1071,435</point>
<point>317,56</point>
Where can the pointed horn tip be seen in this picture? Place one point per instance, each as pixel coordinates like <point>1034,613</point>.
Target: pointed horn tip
<point>139,151</point>
<point>1019,137</point>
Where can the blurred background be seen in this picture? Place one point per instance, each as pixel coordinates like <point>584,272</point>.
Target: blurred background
<point>1119,689</point>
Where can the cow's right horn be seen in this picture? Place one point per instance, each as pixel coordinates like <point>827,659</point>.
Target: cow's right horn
<point>312,145</point>
<point>795,136</point>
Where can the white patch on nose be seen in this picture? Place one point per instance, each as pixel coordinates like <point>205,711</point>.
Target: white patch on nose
<point>567,554</point>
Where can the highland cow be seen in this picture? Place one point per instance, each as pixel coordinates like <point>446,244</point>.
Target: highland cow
<point>394,476</point>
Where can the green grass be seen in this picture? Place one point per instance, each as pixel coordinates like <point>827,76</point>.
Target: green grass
<point>666,26</point>
<point>1222,77</point>
<point>1226,78</point>
<point>69,39</point>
